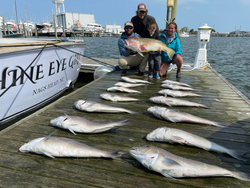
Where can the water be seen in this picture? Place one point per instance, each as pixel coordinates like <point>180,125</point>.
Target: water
<point>230,56</point>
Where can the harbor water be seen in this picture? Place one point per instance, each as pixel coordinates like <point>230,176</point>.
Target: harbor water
<point>230,56</point>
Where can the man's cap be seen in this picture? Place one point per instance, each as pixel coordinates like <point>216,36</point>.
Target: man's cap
<point>128,23</point>
<point>141,6</point>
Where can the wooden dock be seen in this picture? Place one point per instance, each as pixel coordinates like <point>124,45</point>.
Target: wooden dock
<point>227,104</point>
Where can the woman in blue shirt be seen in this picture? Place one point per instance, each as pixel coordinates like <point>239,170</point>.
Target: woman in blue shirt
<point>172,39</point>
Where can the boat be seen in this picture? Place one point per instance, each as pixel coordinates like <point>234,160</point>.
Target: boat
<point>93,27</point>
<point>34,72</point>
<point>184,34</point>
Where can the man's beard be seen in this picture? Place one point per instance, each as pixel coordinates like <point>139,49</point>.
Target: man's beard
<point>129,32</point>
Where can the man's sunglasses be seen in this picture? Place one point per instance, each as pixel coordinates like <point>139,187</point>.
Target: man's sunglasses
<point>141,12</point>
<point>129,27</point>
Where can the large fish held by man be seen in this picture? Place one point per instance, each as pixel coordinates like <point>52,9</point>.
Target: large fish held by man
<point>173,166</point>
<point>147,45</point>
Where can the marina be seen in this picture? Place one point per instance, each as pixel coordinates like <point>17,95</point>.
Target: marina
<point>227,106</point>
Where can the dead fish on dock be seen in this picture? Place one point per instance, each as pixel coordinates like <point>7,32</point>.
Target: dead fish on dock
<point>134,81</point>
<point>176,87</point>
<point>64,147</point>
<point>124,84</point>
<point>82,125</point>
<point>121,98</point>
<point>123,89</point>
<point>175,83</point>
<point>176,116</point>
<point>173,166</point>
<point>172,135</point>
<point>176,93</point>
<point>147,45</point>
<point>90,106</point>
<point>169,101</point>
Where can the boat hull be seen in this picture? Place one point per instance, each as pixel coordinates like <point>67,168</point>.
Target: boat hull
<point>32,78</point>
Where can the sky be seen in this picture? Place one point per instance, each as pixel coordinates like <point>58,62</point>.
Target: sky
<point>222,15</point>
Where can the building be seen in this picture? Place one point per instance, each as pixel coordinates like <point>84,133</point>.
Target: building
<point>69,19</point>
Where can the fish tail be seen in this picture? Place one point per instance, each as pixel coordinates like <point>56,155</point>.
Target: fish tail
<point>132,112</point>
<point>170,53</point>
<point>113,154</point>
<point>241,175</point>
<point>237,155</point>
<point>120,123</point>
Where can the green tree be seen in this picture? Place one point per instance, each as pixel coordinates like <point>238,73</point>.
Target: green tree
<point>191,31</point>
<point>185,29</point>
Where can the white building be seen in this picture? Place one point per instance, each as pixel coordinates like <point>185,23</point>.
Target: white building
<point>69,19</point>
<point>114,29</point>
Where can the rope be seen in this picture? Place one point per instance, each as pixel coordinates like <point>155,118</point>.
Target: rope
<point>99,62</point>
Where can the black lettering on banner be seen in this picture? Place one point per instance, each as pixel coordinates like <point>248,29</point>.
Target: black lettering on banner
<point>51,67</point>
<point>3,86</point>
<point>38,72</point>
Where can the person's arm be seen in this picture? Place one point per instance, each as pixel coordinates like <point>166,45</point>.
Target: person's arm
<point>178,49</point>
<point>122,49</point>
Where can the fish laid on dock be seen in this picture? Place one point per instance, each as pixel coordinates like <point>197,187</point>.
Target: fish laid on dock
<point>175,83</point>
<point>123,89</point>
<point>172,135</point>
<point>176,116</point>
<point>173,166</point>
<point>91,106</point>
<point>64,147</point>
<point>124,84</point>
<point>147,45</point>
<point>169,101</point>
<point>176,93</point>
<point>116,98</point>
<point>176,87</point>
<point>134,81</point>
<point>81,125</point>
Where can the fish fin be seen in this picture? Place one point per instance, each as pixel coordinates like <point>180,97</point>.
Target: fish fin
<point>66,115</point>
<point>71,130</point>
<point>46,138</point>
<point>241,175</point>
<point>169,162</point>
<point>237,154</point>
<point>132,112</point>
<point>179,140</point>
<point>47,154</point>
<point>113,154</point>
<point>141,54</point>
<point>166,174</point>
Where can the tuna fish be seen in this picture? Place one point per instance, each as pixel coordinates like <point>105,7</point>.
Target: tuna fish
<point>175,93</point>
<point>175,83</point>
<point>147,45</point>
<point>172,135</point>
<point>173,166</point>
<point>176,87</point>
<point>169,101</point>
<point>121,98</point>
<point>64,147</point>
<point>124,84</point>
<point>176,116</point>
<point>82,125</point>
<point>134,81</point>
<point>90,106</point>
<point>123,89</point>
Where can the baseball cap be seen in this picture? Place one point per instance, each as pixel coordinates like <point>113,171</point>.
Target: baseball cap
<point>128,23</point>
<point>142,6</point>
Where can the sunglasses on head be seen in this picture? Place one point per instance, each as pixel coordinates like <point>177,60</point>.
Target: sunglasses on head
<point>141,12</point>
<point>128,27</point>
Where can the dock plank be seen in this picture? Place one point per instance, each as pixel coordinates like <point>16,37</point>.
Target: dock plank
<point>31,170</point>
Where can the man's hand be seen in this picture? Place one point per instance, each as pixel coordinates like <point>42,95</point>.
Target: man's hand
<point>129,50</point>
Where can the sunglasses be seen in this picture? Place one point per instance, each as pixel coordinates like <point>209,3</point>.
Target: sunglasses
<point>129,27</point>
<point>141,12</point>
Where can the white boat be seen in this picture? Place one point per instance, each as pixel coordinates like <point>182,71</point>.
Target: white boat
<point>34,72</point>
<point>93,27</point>
<point>184,34</point>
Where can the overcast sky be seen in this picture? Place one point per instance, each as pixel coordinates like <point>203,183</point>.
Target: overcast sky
<point>222,15</point>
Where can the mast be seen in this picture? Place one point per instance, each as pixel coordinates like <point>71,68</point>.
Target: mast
<point>17,18</point>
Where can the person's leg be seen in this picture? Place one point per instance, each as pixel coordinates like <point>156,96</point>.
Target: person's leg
<point>164,68</point>
<point>157,65</point>
<point>151,65</point>
<point>178,61</point>
<point>143,63</point>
